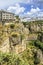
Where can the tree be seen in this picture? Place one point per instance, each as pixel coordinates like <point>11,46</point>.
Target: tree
<point>17,19</point>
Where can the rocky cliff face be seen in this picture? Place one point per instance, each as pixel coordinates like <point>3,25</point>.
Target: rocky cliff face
<point>14,37</point>
<point>35,27</point>
<point>40,55</point>
<point>16,32</point>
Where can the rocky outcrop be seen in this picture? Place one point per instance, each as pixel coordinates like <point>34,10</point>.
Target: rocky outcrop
<point>4,47</point>
<point>16,35</point>
<point>35,27</point>
<point>40,55</point>
<point>19,35</point>
<point>40,37</point>
<point>32,37</point>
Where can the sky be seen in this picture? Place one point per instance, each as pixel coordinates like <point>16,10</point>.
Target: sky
<point>29,8</point>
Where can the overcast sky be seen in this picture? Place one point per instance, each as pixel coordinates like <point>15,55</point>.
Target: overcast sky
<point>23,7</point>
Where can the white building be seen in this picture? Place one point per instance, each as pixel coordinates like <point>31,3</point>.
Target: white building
<point>4,15</point>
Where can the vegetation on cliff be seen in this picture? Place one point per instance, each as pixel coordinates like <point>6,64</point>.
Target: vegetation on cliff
<point>17,32</point>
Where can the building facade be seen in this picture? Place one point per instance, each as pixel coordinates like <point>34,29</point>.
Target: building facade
<point>4,15</point>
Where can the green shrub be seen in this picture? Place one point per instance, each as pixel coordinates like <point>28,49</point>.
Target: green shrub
<point>11,59</point>
<point>39,44</point>
<point>12,26</point>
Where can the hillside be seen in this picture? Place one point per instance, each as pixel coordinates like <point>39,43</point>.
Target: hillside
<point>21,43</point>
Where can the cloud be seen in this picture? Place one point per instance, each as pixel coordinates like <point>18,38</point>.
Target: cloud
<point>17,9</point>
<point>12,6</point>
<point>40,14</point>
<point>34,12</point>
<point>27,1</point>
<point>5,3</point>
<point>31,1</point>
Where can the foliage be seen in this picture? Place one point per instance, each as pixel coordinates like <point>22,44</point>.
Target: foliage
<point>27,57</point>
<point>11,59</point>
<point>12,26</point>
<point>40,37</point>
<point>37,60</point>
<point>39,44</point>
<point>18,19</point>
